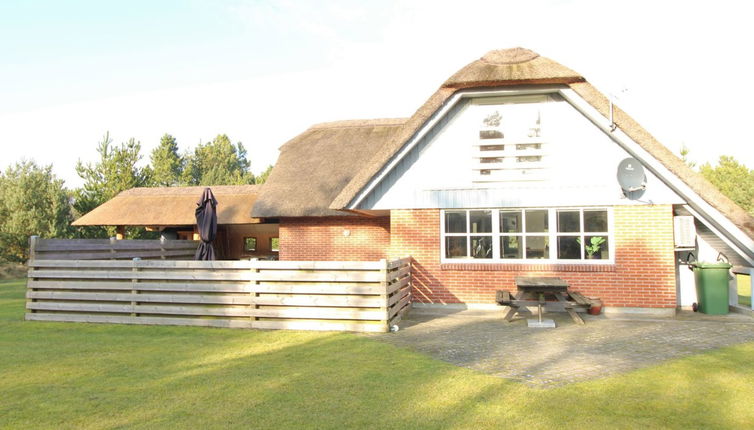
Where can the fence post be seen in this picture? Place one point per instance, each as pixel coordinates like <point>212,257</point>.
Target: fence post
<point>134,289</point>
<point>33,241</point>
<point>112,248</point>
<point>162,247</point>
<point>383,295</point>
<point>410,282</point>
<point>253,293</point>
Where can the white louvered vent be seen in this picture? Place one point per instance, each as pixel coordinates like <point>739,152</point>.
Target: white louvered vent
<point>510,152</point>
<point>684,231</point>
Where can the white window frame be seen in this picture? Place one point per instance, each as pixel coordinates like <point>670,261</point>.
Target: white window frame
<point>552,234</point>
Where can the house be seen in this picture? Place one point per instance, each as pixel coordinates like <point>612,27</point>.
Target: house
<point>170,211</point>
<point>509,169</point>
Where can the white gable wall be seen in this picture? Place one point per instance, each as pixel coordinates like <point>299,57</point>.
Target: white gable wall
<point>581,163</point>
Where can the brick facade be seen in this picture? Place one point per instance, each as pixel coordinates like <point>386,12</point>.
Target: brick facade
<point>643,274</point>
<point>323,239</point>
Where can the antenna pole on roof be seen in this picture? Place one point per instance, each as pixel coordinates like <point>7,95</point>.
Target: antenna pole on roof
<point>613,125</point>
<point>610,99</point>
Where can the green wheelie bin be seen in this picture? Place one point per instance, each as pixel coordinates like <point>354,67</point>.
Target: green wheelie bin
<point>711,286</point>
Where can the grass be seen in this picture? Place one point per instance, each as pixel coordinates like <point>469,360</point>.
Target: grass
<point>66,375</point>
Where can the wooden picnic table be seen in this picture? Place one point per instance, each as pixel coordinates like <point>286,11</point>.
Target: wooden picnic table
<point>532,291</point>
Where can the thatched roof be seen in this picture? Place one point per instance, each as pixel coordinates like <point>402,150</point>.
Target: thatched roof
<point>314,166</point>
<point>172,206</point>
<point>355,169</point>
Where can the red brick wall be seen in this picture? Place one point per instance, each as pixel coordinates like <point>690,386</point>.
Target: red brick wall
<point>322,239</point>
<point>643,274</point>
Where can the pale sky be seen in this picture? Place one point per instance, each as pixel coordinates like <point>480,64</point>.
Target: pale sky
<point>263,71</point>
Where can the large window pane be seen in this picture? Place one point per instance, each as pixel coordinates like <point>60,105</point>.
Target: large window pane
<point>595,221</point>
<point>481,221</point>
<point>455,222</point>
<point>569,248</point>
<point>595,248</point>
<point>481,246</point>
<point>455,247</point>
<point>511,247</point>
<point>537,247</point>
<point>568,222</point>
<point>536,221</point>
<point>510,222</point>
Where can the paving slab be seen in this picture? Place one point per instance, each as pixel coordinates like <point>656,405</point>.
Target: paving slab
<point>547,357</point>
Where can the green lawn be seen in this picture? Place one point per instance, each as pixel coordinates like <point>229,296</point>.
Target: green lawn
<point>66,375</point>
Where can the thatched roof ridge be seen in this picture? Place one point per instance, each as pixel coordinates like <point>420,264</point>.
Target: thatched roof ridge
<point>514,66</point>
<point>314,166</point>
<point>172,206</point>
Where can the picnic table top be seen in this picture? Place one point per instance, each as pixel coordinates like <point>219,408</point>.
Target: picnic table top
<point>523,282</point>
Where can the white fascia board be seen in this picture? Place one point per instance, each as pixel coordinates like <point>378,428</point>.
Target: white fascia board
<point>437,116</point>
<point>711,217</point>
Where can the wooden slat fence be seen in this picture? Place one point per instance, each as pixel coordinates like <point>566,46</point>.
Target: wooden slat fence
<point>111,249</point>
<point>352,296</point>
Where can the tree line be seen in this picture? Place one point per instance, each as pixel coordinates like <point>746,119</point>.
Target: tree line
<point>33,201</point>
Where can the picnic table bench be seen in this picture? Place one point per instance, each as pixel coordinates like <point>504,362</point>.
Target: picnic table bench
<point>532,291</point>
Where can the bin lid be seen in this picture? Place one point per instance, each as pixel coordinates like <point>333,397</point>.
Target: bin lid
<point>707,265</point>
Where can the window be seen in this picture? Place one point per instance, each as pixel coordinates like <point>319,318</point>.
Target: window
<point>275,244</point>
<point>526,234</point>
<point>249,244</point>
<point>468,234</point>
<point>583,234</point>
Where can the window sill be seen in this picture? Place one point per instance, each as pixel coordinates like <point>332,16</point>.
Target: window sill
<point>528,267</point>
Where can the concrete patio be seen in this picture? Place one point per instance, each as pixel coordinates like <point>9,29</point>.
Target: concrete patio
<point>483,341</point>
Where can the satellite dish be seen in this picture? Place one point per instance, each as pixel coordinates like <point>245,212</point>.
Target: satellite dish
<point>631,178</point>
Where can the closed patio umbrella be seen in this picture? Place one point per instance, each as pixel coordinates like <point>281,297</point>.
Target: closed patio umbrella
<point>206,223</point>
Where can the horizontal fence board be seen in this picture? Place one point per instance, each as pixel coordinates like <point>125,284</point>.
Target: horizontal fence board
<point>151,264</point>
<point>320,300</point>
<point>117,319</point>
<point>398,263</point>
<point>319,288</point>
<point>320,276</point>
<point>319,313</point>
<point>124,255</point>
<point>122,274</point>
<point>290,313</point>
<point>400,294</point>
<point>321,325</point>
<point>142,309</point>
<point>125,297</point>
<point>398,284</point>
<point>74,284</point>
<point>394,310</point>
<point>316,265</point>
<point>398,273</point>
